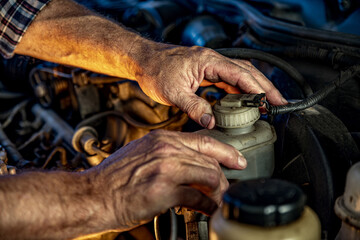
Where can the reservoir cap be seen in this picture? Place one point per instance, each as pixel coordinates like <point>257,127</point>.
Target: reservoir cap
<point>232,111</point>
<point>263,202</point>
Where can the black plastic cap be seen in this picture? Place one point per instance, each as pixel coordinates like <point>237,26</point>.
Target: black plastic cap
<point>263,202</point>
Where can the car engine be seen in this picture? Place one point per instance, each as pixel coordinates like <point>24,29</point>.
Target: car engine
<point>57,117</point>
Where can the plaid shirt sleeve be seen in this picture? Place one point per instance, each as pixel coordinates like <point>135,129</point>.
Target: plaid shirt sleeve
<point>15,17</point>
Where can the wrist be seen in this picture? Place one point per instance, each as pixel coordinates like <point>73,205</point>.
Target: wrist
<point>96,202</point>
<point>142,53</point>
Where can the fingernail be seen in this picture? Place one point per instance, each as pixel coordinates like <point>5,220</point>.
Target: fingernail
<point>284,101</point>
<point>205,119</point>
<point>242,161</point>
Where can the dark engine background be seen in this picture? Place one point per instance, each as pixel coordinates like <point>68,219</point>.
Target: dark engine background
<point>315,147</point>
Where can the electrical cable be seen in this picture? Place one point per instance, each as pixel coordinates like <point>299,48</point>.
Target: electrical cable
<point>332,56</point>
<point>129,120</point>
<point>318,96</point>
<point>20,106</point>
<point>245,53</point>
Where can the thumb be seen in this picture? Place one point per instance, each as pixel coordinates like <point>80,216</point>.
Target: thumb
<point>197,108</point>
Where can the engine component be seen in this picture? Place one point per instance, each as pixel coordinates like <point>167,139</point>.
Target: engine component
<point>196,225</point>
<point>205,31</point>
<point>152,17</point>
<point>315,150</point>
<point>62,129</point>
<point>272,30</point>
<point>347,207</point>
<point>16,158</point>
<point>16,70</point>
<point>318,96</point>
<point>264,209</point>
<point>85,140</point>
<point>239,126</point>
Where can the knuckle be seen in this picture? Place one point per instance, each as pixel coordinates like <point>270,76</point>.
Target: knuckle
<point>203,51</point>
<point>168,167</point>
<point>214,178</point>
<point>207,141</point>
<point>161,147</point>
<point>190,107</point>
<point>157,133</point>
<point>211,52</point>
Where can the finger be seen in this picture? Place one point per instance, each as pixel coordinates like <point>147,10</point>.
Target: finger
<point>195,168</point>
<point>181,170</point>
<point>222,85</point>
<point>273,95</point>
<point>191,198</point>
<point>228,88</point>
<point>215,193</point>
<point>209,181</point>
<point>234,75</point>
<point>209,184</point>
<point>223,153</point>
<point>197,108</point>
<point>241,62</point>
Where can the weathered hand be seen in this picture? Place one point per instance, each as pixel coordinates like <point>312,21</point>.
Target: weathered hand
<point>162,170</point>
<point>171,74</point>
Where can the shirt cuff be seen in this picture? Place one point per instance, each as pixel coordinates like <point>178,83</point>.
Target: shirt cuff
<point>15,18</point>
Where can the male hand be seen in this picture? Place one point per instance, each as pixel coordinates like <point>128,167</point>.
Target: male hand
<point>162,170</point>
<point>171,75</point>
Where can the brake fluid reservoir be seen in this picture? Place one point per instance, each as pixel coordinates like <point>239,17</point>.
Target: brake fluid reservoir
<point>239,125</point>
<point>261,209</point>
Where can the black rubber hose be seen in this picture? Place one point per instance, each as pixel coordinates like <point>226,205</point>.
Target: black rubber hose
<point>329,55</point>
<point>318,96</point>
<point>245,53</point>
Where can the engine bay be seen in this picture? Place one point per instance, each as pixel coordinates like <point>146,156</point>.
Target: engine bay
<point>57,117</point>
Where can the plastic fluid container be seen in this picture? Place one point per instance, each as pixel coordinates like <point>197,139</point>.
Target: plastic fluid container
<point>347,206</point>
<point>239,126</point>
<point>267,209</point>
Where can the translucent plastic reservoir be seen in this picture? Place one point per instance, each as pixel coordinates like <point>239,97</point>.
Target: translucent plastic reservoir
<point>256,143</point>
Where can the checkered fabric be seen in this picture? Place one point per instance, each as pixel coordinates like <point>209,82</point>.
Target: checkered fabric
<point>15,17</point>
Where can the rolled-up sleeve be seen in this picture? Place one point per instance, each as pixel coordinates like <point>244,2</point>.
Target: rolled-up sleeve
<point>16,16</point>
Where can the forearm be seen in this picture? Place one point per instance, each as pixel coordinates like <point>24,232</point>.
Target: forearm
<point>67,33</point>
<point>50,205</point>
